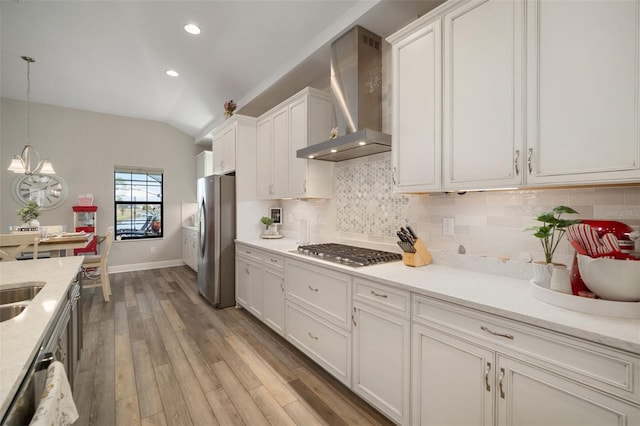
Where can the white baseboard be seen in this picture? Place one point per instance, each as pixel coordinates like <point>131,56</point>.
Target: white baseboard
<point>145,266</point>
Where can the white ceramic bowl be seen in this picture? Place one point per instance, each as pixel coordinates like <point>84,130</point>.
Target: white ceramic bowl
<point>611,279</point>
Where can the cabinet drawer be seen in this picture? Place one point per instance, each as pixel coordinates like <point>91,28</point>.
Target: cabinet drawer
<point>251,253</point>
<point>274,261</point>
<point>326,344</point>
<point>382,296</point>
<point>325,292</point>
<point>604,368</point>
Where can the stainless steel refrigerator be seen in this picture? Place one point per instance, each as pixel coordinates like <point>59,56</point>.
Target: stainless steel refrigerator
<point>216,235</point>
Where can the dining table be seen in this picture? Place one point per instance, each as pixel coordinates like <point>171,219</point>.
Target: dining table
<point>60,243</point>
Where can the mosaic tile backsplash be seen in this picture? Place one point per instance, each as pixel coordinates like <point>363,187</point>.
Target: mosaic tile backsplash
<point>365,200</point>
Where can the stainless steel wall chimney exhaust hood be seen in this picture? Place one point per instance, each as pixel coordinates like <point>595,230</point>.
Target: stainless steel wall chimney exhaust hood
<point>356,89</point>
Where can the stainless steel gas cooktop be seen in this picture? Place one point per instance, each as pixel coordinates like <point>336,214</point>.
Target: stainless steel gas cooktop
<point>348,255</point>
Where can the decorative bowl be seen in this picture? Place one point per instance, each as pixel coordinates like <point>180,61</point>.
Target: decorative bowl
<point>611,279</point>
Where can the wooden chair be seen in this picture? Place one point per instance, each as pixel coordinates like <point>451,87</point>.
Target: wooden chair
<point>98,263</point>
<point>12,245</point>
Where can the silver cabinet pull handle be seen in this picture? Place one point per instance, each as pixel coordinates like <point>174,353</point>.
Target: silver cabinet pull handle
<point>393,176</point>
<point>353,318</point>
<point>312,336</point>
<point>529,155</point>
<point>515,162</point>
<point>384,296</point>
<point>46,360</point>
<point>304,186</point>
<point>246,270</point>
<point>487,370</point>
<point>282,285</point>
<point>501,378</point>
<point>274,260</point>
<point>488,330</point>
<point>312,289</point>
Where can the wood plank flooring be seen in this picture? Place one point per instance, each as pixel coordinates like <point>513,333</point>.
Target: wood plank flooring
<point>158,354</point>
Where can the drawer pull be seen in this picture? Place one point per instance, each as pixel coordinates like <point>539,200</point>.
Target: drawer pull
<point>488,330</point>
<point>312,336</point>
<point>384,296</point>
<point>487,370</point>
<point>274,260</point>
<point>246,270</point>
<point>282,285</point>
<point>312,289</point>
<point>247,251</point>
<point>501,377</point>
<point>353,318</point>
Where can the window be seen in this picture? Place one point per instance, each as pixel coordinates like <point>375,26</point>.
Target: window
<point>138,203</point>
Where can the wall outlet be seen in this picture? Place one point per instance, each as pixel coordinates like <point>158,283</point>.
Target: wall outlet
<point>447,226</point>
<point>153,249</point>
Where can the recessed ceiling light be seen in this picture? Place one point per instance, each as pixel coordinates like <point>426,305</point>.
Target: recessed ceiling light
<point>192,29</point>
<point>172,73</point>
<point>334,151</point>
<point>362,143</point>
<point>311,156</point>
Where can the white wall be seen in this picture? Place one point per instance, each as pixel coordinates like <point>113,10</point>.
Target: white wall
<point>84,147</point>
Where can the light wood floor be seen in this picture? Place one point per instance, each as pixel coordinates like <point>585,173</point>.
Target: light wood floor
<point>158,354</point>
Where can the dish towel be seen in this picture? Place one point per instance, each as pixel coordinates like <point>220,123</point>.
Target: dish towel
<point>56,406</point>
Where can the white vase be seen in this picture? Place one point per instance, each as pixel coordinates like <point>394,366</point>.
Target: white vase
<point>560,280</point>
<point>33,223</point>
<point>542,274</point>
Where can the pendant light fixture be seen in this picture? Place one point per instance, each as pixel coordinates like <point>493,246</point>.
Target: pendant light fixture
<point>22,163</point>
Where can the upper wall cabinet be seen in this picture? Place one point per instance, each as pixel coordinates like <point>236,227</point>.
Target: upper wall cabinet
<point>535,93</point>
<point>204,164</point>
<point>416,57</point>
<point>483,103</point>
<point>303,119</point>
<point>225,139</point>
<point>583,91</point>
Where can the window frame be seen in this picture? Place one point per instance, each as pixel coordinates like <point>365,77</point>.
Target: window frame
<point>148,230</point>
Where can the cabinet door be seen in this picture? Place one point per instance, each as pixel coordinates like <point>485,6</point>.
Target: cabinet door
<point>280,134</point>
<point>274,300</point>
<point>583,91</point>
<point>453,380</point>
<point>298,139</point>
<point>265,160</point>
<point>531,396</point>
<point>381,357</point>
<point>229,149</point>
<point>483,103</point>
<point>218,153</point>
<point>417,109</point>
<point>249,286</point>
<point>204,164</point>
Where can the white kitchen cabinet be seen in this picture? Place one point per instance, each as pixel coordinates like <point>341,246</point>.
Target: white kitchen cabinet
<point>416,61</point>
<point>466,364</point>
<point>483,102</point>
<point>204,164</point>
<point>381,348</point>
<point>583,92</point>
<point>274,293</point>
<point>249,279</point>
<point>318,316</point>
<point>297,122</point>
<point>236,130</point>
<point>190,248</point>
<point>310,115</point>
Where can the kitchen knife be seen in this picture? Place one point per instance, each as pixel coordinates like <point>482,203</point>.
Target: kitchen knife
<point>402,246</point>
<point>413,234</point>
<point>402,237</point>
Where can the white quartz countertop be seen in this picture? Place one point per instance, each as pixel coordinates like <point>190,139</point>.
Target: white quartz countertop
<point>490,293</point>
<point>21,337</point>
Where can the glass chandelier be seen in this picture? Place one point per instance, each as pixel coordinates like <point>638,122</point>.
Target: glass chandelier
<point>22,163</point>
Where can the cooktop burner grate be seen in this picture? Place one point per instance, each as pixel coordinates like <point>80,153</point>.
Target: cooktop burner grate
<point>348,255</point>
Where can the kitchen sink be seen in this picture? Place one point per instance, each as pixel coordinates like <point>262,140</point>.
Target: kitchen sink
<point>23,292</point>
<point>8,312</point>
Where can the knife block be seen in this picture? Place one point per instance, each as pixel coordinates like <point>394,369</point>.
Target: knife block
<point>420,258</point>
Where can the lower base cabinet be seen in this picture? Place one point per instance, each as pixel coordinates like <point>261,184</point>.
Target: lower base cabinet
<point>381,343</point>
<point>461,377</point>
<point>190,248</point>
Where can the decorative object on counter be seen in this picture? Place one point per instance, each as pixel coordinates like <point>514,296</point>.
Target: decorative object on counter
<point>611,279</point>
<point>271,228</point>
<point>414,251</point>
<point>334,133</point>
<point>22,163</point>
<point>229,108</point>
<point>550,233</point>
<point>560,280</point>
<point>29,215</point>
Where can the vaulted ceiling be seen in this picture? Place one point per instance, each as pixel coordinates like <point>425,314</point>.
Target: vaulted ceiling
<point>111,56</point>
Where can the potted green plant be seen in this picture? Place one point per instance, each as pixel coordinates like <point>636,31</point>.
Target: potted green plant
<point>550,234</point>
<point>29,214</point>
